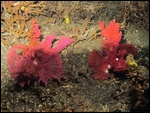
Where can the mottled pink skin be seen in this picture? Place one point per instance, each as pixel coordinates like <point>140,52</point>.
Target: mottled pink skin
<point>35,32</point>
<point>111,34</point>
<point>63,43</point>
<point>38,60</point>
<point>42,62</point>
<point>99,64</point>
<point>114,58</point>
<point>113,54</point>
<point>15,60</point>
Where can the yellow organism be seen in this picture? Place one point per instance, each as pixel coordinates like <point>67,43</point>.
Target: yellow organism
<point>67,20</point>
<point>24,8</point>
<point>131,63</point>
